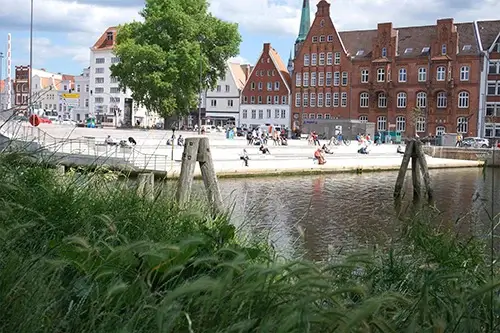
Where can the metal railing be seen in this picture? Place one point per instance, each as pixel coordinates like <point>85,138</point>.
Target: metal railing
<point>21,131</point>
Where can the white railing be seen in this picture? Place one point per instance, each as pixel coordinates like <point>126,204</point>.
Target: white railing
<point>87,146</point>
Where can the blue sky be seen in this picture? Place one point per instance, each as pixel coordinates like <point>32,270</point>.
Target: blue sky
<point>65,29</point>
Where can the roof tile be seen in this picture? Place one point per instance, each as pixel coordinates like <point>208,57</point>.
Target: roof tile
<point>488,31</point>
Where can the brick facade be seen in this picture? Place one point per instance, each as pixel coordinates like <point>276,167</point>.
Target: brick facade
<point>386,74</point>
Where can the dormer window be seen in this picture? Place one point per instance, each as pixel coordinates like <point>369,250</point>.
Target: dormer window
<point>384,52</point>
<point>109,36</point>
<point>360,53</point>
<point>426,49</point>
<point>409,50</point>
<point>443,49</point>
<point>467,47</point>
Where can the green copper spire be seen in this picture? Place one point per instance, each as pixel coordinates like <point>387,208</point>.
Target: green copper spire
<point>305,21</point>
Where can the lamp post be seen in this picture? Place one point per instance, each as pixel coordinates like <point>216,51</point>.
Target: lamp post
<point>201,88</point>
<point>30,85</point>
<point>4,86</point>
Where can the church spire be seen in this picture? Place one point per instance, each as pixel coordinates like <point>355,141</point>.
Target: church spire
<point>305,21</point>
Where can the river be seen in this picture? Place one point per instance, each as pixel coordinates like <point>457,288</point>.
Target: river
<point>318,215</point>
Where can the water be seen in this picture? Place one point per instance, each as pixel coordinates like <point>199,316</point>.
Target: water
<point>320,214</point>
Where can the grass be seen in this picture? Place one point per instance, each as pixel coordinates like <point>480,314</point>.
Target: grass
<point>86,254</point>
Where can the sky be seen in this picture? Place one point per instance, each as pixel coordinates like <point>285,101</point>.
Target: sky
<point>64,30</point>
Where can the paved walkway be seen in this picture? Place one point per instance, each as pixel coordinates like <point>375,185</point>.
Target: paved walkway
<point>152,153</point>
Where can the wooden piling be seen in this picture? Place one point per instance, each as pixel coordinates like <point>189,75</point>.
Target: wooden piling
<point>209,176</point>
<point>415,176</point>
<point>146,185</point>
<point>425,171</point>
<point>402,170</point>
<point>185,182</point>
<point>61,170</point>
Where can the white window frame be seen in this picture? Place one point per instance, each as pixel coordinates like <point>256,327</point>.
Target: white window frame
<point>400,123</point>
<point>307,60</point>
<point>364,100</point>
<point>336,79</point>
<point>381,123</point>
<point>401,99</point>
<point>305,79</point>
<point>329,58</point>
<point>321,79</point>
<point>298,99</point>
<point>328,99</point>
<point>421,100</point>
<point>380,74</point>
<point>420,125</point>
<point>402,75</point>
<point>364,75</point>
<point>363,119</point>
<point>305,99</point>
<point>463,100</point>
<point>314,59</point>
<point>440,130</point>
<point>343,99</point>
<point>462,125</point>
<point>337,58</point>
<point>441,73</point>
<point>382,100</point>
<point>321,59</point>
<point>464,73</point>
<point>313,79</point>
<point>298,79</point>
<point>441,100</point>
<point>336,99</point>
<point>312,99</point>
<point>422,74</point>
<point>320,100</point>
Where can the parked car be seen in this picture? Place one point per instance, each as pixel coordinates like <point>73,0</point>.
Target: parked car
<point>476,142</point>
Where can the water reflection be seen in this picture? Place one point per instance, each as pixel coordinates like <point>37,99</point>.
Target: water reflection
<point>347,210</point>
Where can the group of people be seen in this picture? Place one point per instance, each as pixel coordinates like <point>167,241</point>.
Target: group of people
<point>122,143</point>
<point>258,137</point>
<point>320,154</point>
<point>180,140</point>
<point>245,158</point>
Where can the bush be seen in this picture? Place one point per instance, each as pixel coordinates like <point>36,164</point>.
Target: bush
<point>84,253</point>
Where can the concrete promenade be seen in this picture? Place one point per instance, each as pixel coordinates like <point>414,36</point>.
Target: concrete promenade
<point>152,153</point>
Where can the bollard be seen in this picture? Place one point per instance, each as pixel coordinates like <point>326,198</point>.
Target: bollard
<point>146,185</point>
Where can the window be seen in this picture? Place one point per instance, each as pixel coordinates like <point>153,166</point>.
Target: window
<point>276,86</point>
<point>315,39</point>
<point>382,100</point>
<point>283,100</point>
<point>402,75</point>
<point>440,130</point>
<point>336,99</point>
<point>297,99</point>
<point>314,59</point>
<point>422,74</point>
<point>268,113</point>
<point>114,79</point>
<point>330,38</point>
<point>384,52</point>
<point>305,99</point>
<point>99,100</point>
<point>464,73</point>
<point>321,79</point>
<point>269,86</point>
<point>252,86</point>
<point>319,116</point>
<point>254,114</point>
<point>329,58</point>
<point>269,99</point>
<point>421,100</point>
<point>261,114</point>
<point>109,35</point>
<point>443,49</point>
<point>313,79</point>
<point>400,124</point>
<point>252,99</point>
<point>441,73</point>
<point>442,101</point>
<point>363,119</point>
<point>343,99</point>
<point>99,90</point>
<point>327,116</point>
<point>306,59</point>
<point>259,99</point>
<point>86,88</point>
<point>276,100</point>
<point>328,78</point>
<point>259,86</point>
<point>213,102</point>
<point>360,53</point>
<point>320,100</point>
<point>244,114</point>
<point>426,49</point>
<point>228,88</point>
<point>494,67</point>
<point>114,90</point>
<point>298,79</point>
<point>283,114</point>
<point>492,130</point>
<point>493,88</point>
<point>322,59</point>
<point>277,113</point>
<point>345,78</point>
<point>99,60</point>
<point>322,38</point>
<point>115,60</point>
<point>420,125</point>
<point>408,50</point>
<point>364,76</point>
<point>462,125</point>
<point>463,100</point>
<point>380,75</point>
<point>99,80</point>
<point>86,102</point>
<point>312,116</point>
<point>336,78</point>
<point>337,58</point>
<point>401,100</point>
<point>381,123</point>
<point>305,79</point>
<point>312,102</point>
<point>328,99</point>
<point>364,100</point>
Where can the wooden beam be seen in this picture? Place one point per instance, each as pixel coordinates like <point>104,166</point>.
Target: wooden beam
<point>425,171</point>
<point>185,182</point>
<point>415,174</point>
<point>402,170</point>
<point>209,176</point>
<point>146,185</point>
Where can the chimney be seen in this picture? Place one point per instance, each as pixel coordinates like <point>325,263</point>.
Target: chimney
<point>267,46</point>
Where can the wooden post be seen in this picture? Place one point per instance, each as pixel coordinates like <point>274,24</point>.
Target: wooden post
<point>61,170</point>
<point>415,174</point>
<point>209,177</point>
<point>402,170</point>
<point>185,182</point>
<point>425,171</point>
<point>146,185</point>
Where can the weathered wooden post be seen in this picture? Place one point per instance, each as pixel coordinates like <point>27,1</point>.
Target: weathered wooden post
<point>209,176</point>
<point>425,171</point>
<point>402,170</point>
<point>415,174</point>
<point>189,157</point>
<point>146,185</point>
<point>61,169</point>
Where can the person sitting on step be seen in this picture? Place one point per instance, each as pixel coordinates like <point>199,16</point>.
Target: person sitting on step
<point>132,141</point>
<point>244,157</point>
<point>264,150</point>
<point>326,149</point>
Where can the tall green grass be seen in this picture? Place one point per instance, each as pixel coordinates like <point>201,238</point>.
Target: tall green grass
<point>86,254</point>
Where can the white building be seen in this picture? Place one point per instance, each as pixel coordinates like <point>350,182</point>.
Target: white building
<point>106,101</point>
<point>48,94</point>
<point>266,94</point>
<point>82,87</point>
<point>223,102</point>
<point>4,98</point>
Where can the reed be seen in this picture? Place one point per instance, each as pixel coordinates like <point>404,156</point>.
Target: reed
<point>84,253</point>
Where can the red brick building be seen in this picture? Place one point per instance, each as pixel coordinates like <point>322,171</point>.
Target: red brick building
<point>265,96</point>
<point>383,75</point>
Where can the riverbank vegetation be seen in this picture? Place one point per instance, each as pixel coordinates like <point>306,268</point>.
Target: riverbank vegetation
<point>82,254</point>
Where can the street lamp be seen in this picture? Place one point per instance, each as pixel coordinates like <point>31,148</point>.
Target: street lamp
<point>30,85</point>
<point>201,88</point>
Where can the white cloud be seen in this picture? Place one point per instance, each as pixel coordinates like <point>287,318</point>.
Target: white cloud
<point>239,60</point>
<point>46,49</point>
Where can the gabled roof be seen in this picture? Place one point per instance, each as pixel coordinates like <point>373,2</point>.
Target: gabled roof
<point>281,67</point>
<point>488,32</point>
<point>66,77</point>
<point>103,43</point>
<point>239,75</point>
<point>412,41</point>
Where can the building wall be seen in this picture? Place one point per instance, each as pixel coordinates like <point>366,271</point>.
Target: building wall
<point>492,114</point>
<point>223,101</point>
<point>257,97</point>
<point>82,87</point>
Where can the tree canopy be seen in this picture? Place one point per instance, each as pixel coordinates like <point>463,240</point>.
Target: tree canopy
<point>160,57</point>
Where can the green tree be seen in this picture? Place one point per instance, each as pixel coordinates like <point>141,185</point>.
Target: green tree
<point>160,57</point>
